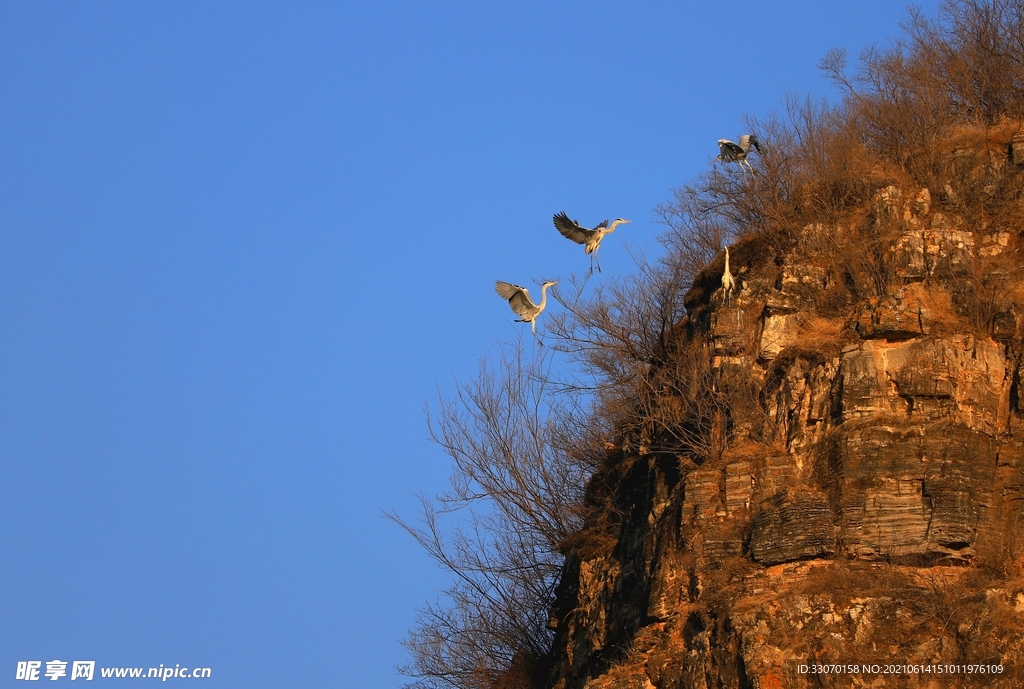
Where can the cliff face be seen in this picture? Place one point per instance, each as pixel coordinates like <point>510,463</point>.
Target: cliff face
<point>864,502</point>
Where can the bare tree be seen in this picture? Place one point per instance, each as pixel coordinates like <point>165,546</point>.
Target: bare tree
<point>964,68</point>
<point>522,456</point>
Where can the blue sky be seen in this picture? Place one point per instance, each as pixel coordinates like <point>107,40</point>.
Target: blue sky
<point>243,244</point>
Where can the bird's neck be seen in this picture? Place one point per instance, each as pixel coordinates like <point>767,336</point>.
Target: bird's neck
<point>543,296</point>
<point>727,259</point>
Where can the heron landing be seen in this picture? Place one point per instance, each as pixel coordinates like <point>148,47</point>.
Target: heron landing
<point>590,239</point>
<point>519,299</point>
<point>729,152</point>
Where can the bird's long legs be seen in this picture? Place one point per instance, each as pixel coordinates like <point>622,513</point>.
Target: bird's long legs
<point>533,329</point>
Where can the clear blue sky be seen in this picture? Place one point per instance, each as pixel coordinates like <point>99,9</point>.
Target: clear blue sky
<point>242,245</point>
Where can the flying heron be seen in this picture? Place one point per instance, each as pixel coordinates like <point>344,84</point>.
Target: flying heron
<point>591,239</point>
<point>519,299</point>
<point>730,152</point>
<point>728,281</point>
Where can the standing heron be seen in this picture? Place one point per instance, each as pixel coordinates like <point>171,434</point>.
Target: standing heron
<point>728,281</point>
<point>519,299</point>
<point>730,152</point>
<point>591,239</point>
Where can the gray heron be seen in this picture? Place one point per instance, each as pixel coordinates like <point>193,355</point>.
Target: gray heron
<point>519,299</point>
<point>728,281</point>
<point>591,239</point>
<point>729,152</point>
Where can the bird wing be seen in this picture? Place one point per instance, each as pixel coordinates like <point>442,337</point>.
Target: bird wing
<point>602,225</point>
<point>506,289</point>
<point>518,297</point>
<point>571,229</point>
<point>729,152</point>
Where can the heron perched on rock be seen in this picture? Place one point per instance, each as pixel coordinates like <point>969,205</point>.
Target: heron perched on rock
<point>729,152</point>
<point>519,299</point>
<point>728,281</point>
<point>591,239</point>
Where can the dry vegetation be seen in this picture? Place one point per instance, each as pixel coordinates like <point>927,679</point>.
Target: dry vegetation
<point>938,110</point>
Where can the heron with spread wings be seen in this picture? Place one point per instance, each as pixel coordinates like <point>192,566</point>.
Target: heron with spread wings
<point>590,239</point>
<point>519,299</point>
<point>729,152</point>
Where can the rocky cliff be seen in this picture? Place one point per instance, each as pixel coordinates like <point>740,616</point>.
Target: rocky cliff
<point>860,499</point>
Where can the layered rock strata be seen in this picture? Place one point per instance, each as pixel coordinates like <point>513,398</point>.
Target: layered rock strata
<point>865,507</point>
